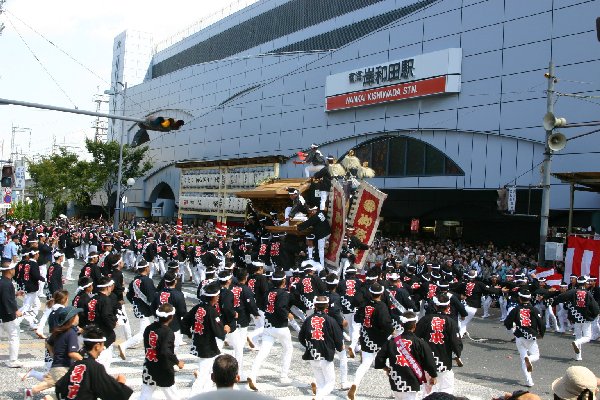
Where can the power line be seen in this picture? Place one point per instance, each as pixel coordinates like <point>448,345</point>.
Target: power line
<point>42,64</point>
<point>62,51</point>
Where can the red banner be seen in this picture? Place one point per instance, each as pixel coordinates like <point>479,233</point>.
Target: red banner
<point>582,258</point>
<point>365,217</point>
<point>401,91</point>
<point>179,227</point>
<point>337,216</point>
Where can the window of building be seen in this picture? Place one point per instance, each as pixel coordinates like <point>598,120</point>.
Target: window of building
<point>405,156</point>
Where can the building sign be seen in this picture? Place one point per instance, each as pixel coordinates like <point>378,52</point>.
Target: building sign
<point>424,75</point>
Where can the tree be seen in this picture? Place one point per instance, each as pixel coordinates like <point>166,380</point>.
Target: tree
<point>104,168</point>
<point>55,178</point>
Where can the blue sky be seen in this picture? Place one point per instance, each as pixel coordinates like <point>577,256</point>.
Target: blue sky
<point>85,30</point>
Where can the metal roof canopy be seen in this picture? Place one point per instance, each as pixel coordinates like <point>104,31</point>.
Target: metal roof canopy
<point>232,162</point>
<point>587,181</point>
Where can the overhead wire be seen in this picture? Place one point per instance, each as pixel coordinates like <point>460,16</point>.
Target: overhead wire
<point>65,53</point>
<point>42,64</point>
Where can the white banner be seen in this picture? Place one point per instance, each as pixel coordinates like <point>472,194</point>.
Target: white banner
<point>512,199</point>
<point>20,178</point>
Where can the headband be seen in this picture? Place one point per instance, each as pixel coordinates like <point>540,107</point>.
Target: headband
<point>525,296</point>
<point>404,320</point>
<point>439,303</point>
<point>101,340</point>
<point>326,301</point>
<point>226,278</point>
<point>80,288</point>
<point>107,284</point>
<point>117,263</point>
<point>334,282</point>
<point>277,279</point>
<point>161,314</point>
<point>374,292</point>
<point>209,294</point>
<point>370,278</point>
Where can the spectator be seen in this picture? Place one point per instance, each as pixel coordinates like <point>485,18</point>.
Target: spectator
<point>225,372</point>
<point>578,383</point>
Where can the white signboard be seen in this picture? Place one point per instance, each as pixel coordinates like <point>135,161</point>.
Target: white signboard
<point>512,199</point>
<point>4,205</point>
<point>20,178</point>
<point>422,75</point>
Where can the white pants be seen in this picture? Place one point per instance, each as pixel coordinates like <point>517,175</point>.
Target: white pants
<point>85,250</point>
<point>160,265</point>
<point>106,357</point>
<point>283,336</point>
<point>502,304</point>
<point>470,314</point>
<point>238,349</point>
<point>11,329</point>
<point>138,337</point>
<point>324,373</point>
<point>343,357</point>
<point>198,273</point>
<point>43,272</point>
<point>184,267</point>
<point>596,328</point>
<point>70,264</point>
<point>367,360</point>
<point>444,383</point>
<point>92,247</point>
<point>404,395</point>
<point>527,348</point>
<point>31,307</point>
<point>171,392</point>
<point>551,321</point>
<point>563,318</point>
<point>310,170</point>
<point>321,245</point>
<point>583,334</point>
<point>353,330</point>
<point>129,259</point>
<point>259,326</point>
<point>233,338</point>
<point>123,322</point>
<point>203,382</point>
<point>487,302</point>
<point>323,196</point>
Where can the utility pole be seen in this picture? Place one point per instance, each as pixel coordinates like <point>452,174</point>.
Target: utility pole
<point>120,172</point>
<point>544,214</point>
<point>99,125</point>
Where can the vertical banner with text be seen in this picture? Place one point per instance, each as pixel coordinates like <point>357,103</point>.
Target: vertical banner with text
<point>364,217</point>
<point>337,216</point>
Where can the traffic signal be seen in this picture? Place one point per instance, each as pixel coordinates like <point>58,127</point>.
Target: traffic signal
<point>7,176</point>
<point>161,124</point>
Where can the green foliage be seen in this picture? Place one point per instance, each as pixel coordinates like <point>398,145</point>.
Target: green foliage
<point>55,178</point>
<point>25,211</point>
<point>103,170</point>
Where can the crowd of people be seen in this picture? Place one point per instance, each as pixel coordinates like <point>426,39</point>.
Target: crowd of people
<point>405,311</point>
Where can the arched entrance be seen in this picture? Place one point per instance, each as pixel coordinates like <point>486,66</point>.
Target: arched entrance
<point>162,198</point>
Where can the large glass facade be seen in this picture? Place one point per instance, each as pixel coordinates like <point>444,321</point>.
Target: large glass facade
<point>405,156</point>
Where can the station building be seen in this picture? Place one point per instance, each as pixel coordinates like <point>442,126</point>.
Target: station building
<point>444,99</point>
